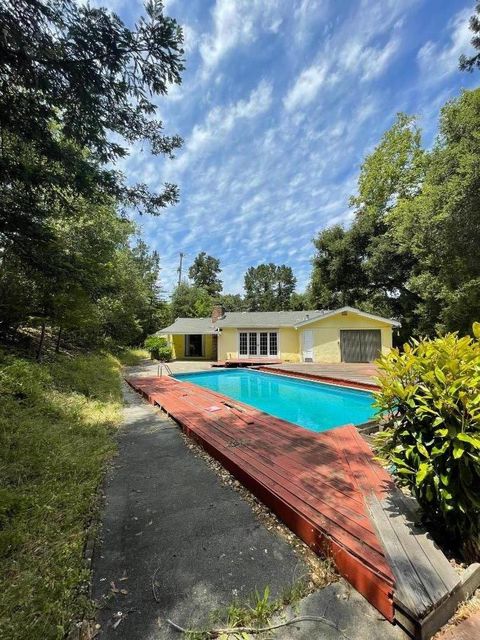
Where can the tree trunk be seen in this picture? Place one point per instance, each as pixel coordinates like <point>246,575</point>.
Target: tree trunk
<point>57,345</point>
<point>40,344</point>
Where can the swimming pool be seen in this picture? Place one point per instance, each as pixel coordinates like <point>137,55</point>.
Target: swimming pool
<point>313,405</point>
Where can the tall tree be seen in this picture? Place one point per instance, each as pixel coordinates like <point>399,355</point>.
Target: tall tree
<point>232,302</point>
<point>77,88</point>
<point>204,273</point>
<point>190,302</point>
<point>441,226</point>
<point>469,63</point>
<point>268,287</point>
<point>365,265</point>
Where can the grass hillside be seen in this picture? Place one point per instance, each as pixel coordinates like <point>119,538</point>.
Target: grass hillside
<point>57,422</point>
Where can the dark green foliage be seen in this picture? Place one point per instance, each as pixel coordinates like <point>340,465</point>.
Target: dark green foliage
<point>469,63</point>
<point>158,348</point>
<point>269,287</point>
<point>204,273</point>
<point>71,76</point>
<point>441,226</point>
<point>231,302</point>
<point>77,88</point>
<point>105,290</point>
<point>430,395</point>
<point>411,252</point>
<point>190,302</point>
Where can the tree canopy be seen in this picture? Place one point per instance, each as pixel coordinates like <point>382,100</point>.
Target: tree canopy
<point>412,249</point>
<point>78,89</point>
<point>204,273</point>
<point>268,287</point>
<point>189,301</point>
<point>469,63</point>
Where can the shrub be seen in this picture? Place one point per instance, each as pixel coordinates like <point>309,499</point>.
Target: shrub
<point>159,348</point>
<point>430,394</point>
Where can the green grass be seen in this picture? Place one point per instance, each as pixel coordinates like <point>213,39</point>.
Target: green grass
<point>132,357</point>
<point>57,422</point>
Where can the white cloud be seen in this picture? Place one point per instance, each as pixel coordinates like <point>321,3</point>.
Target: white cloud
<point>375,61</point>
<point>258,168</point>
<point>221,120</point>
<point>237,22</point>
<point>349,52</point>
<point>436,61</point>
<point>306,87</point>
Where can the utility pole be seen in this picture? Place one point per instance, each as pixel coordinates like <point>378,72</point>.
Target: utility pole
<point>179,270</point>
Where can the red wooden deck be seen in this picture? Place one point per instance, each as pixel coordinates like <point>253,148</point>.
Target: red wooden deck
<point>317,483</point>
<point>343,380</point>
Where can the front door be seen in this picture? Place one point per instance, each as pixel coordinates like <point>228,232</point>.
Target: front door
<point>194,346</point>
<point>307,350</point>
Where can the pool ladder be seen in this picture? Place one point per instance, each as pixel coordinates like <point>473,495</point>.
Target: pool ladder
<point>161,367</point>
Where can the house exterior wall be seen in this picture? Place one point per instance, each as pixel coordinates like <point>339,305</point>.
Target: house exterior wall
<point>228,344</point>
<point>177,343</point>
<point>287,343</point>
<point>326,335</point>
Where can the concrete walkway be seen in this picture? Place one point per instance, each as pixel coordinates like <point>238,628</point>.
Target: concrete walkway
<point>169,520</point>
<point>150,367</point>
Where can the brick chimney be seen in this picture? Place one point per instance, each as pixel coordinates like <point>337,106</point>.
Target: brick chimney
<point>218,312</point>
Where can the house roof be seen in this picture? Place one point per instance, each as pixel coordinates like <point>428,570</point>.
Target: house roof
<point>261,320</point>
<point>364,314</point>
<point>189,326</point>
<point>268,319</point>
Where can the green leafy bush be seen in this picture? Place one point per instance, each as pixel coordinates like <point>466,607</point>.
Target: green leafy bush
<point>159,348</point>
<point>430,394</point>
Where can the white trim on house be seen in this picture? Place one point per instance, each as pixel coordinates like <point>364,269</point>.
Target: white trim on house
<point>336,312</point>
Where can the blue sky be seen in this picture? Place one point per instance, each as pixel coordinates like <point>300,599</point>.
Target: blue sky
<point>279,104</point>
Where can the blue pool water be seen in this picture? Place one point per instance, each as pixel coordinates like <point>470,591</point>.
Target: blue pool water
<point>312,405</point>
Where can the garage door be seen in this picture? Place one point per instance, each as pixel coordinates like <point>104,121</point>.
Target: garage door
<point>361,345</point>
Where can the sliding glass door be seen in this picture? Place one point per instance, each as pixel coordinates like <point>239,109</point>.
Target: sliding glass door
<point>257,343</point>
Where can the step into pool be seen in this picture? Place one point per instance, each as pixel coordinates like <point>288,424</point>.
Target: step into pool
<point>313,405</point>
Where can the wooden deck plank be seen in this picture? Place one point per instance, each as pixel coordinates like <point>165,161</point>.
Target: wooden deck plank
<point>407,583</point>
<point>307,476</point>
<point>436,573</point>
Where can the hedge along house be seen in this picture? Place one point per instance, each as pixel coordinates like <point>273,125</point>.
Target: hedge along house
<point>343,335</point>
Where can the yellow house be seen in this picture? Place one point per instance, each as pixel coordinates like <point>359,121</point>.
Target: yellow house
<point>342,335</point>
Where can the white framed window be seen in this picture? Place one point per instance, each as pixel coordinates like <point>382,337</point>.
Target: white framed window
<point>264,343</point>
<point>258,343</point>
<point>243,343</point>
<point>273,345</point>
